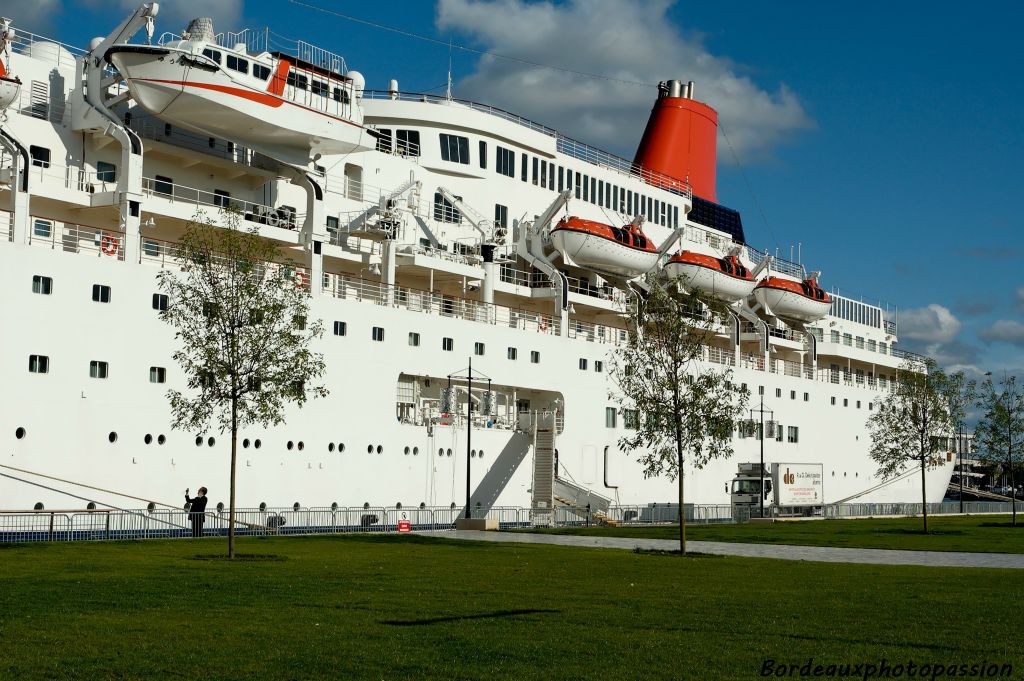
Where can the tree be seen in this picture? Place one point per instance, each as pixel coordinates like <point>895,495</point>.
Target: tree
<point>914,419</point>
<point>1000,432</point>
<point>242,323</point>
<point>679,406</point>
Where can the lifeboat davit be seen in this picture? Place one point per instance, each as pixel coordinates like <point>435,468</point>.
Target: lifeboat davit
<point>802,301</point>
<point>271,102</point>
<point>725,279</point>
<point>624,251</point>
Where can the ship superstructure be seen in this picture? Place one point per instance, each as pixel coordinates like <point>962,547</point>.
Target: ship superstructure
<point>427,230</point>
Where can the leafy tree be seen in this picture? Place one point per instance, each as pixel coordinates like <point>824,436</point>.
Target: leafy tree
<point>1000,432</point>
<point>914,419</point>
<point>679,406</point>
<point>242,324</point>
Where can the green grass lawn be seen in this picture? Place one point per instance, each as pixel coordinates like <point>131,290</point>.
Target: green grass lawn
<point>989,534</point>
<point>363,607</point>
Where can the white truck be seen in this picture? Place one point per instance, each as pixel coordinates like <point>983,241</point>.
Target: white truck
<point>787,489</point>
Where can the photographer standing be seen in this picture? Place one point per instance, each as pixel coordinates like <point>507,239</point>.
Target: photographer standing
<point>197,511</point>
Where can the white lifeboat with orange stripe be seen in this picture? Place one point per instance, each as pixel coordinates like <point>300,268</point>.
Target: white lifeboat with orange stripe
<point>624,251</point>
<point>271,102</point>
<point>10,85</point>
<point>802,301</point>
<point>725,279</point>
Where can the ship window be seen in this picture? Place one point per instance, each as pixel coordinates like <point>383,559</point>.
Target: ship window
<point>513,353</point>
<point>384,140</point>
<point>455,148</point>
<point>42,228</point>
<point>212,54</point>
<point>483,154</point>
<point>583,364</point>
<point>97,369</point>
<point>447,344</point>
<point>221,198</point>
<point>157,375</point>
<point>378,334</point>
<point>319,87</point>
<point>260,71</point>
<point>163,185</point>
<point>615,198</point>
<point>505,161</point>
<point>577,178</point>
<point>600,193</point>
<point>793,434</point>
<point>297,81</point>
<point>586,188</point>
<point>39,364</point>
<point>561,178</point>
<point>160,302</point>
<point>609,417</point>
<point>407,142</point>
<point>544,174</point>
<point>42,285</point>
<point>478,349</point>
<point>444,211</point>
<point>598,366</point>
<point>792,394</point>
<point>100,293</point>
<point>340,328</point>
<point>500,215</point>
<point>341,95</point>
<point>534,357</point>
<point>40,156</point>
<point>106,172</point>
<point>630,419</point>
<point>536,169</point>
<point>525,163</point>
<point>414,339</point>
<point>168,129</point>
<point>238,64</point>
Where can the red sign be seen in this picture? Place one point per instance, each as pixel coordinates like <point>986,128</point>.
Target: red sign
<point>404,526</point>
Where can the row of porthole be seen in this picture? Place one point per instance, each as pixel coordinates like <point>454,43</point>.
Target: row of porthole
<point>472,453</point>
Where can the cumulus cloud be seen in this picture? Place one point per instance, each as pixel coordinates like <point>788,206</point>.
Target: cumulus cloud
<point>930,324</point>
<point>174,15</point>
<point>1004,331</point>
<point>631,41</point>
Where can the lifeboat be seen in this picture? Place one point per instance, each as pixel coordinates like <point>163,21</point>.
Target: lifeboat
<point>724,279</point>
<point>9,89</point>
<point>274,103</point>
<point>624,251</point>
<point>10,86</point>
<point>802,301</point>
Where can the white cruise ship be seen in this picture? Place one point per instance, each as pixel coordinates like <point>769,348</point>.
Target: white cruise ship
<point>429,231</point>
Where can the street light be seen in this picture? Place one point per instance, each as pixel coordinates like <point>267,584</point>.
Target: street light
<point>762,411</point>
<point>468,377</point>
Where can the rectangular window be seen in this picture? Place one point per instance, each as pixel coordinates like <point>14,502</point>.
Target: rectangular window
<point>241,65</point>
<point>221,198</point>
<point>444,211</point>
<point>513,353</point>
<point>407,142</point>
<point>583,364</point>
<point>378,334</point>
<point>600,193</point>
<point>779,430</point>
<point>630,419</point>
<point>42,285</point>
<point>414,339</point>
<point>97,369</point>
<point>834,336</point>
<point>609,417</point>
<point>534,357</point>
<point>577,181</point>
<point>807,397</point>
<point>42,228</point>
<point>319,87</point>
<point>793,434</point>
<point>100,293</point>
<point>598,366</point>
<point>544,174</point>
<point>340,328</point>
<point>447,344</point>
<point>615,197</point>
<point>778,392</point>
<point>106,172</point>
<point>39,364</point>
<point>524,174</point>
<point>157,375</point>
<point>384,140</point>
<point>500,215</point>
<point>586,188</point>
<point>212,54</point>
<point>297,80</point>
<point>40,156</point>
<point>792,394</point>
<point>505,161</point>
<point>455,148</point>
<point>483,154</point>
<point>536,169</point>
<point>260,71</point>
<point>561,178</point>
<point>478,349</point>
<point>163,185</point>
<point>160,302</point>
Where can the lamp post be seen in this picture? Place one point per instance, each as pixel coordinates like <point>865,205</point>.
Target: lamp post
<point>468,377</point>
<point>761,411</point>
<point>960,457</point>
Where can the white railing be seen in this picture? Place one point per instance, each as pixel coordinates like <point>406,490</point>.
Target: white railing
<point>74,238</point>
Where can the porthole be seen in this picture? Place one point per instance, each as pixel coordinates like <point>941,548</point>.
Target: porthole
<point>296,506</point>
<point>112,437</point>
<point>480,454</point>
<point>398,506</point>
<point>210,442</point>
<point>366,506</point>
<point>341,447</point>
<point>245,443</point>
<point>423,505</point>
<point>199,440</point>
<point>20,433</point>
<point>302,445</point>
<point>148,439</point>
<point>407,450</point>
<point>415,451</point>
<point>91,506</point>
<point>257,444</point>
<point>330,447</point>
<point>380,450</point>
<point>39,506</point>
<point>334,505</point>
<point>449,452</point>
<point>369,449</point>
<point>453,506</point>
<point>290,445</point>
<point>161,439</point>
<point>151,506</point>
<point>263,506</point>
<point>472,454</point>
<point>440,452</point>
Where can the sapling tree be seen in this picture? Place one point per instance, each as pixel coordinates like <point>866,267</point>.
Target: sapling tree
<point>999,434</point>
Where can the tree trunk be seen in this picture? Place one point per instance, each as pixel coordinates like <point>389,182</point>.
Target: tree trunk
<point>234,453</point>
<point>682,513</point>
<point>924,493</point>
<point>1013,489</point>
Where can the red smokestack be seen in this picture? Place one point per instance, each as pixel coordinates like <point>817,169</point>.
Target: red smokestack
<point>680,139</point>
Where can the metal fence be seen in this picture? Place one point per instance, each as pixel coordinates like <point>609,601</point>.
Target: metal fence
<point>105,524</point>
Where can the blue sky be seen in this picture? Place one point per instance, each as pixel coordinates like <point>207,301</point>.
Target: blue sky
<point>885,138</point>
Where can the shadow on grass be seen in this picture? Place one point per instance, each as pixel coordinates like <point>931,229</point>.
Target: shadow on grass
<point>1020,524</point>
<point>675,552</point>
<point>931,532</point>
<point>241,557</point>
<point>460,618</point>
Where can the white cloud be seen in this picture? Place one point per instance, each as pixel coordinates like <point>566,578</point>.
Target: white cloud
<point>1005,331</point>
<point>174,15</point>
<point>632,41</point>
<point>930,324</point>
<point>31,17</point>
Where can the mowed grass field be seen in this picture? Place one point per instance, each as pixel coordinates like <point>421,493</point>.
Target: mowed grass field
<point>409,607</point>
<point>984,533</point>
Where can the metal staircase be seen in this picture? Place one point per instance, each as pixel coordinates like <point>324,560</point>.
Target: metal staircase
<point>544,468</point>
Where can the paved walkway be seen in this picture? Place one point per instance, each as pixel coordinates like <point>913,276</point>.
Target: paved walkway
<point>825,554</point>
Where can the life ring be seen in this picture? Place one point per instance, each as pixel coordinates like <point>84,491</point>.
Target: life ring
<point>445,420</point>
<point>301,279</point>
<point>109,244</point>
